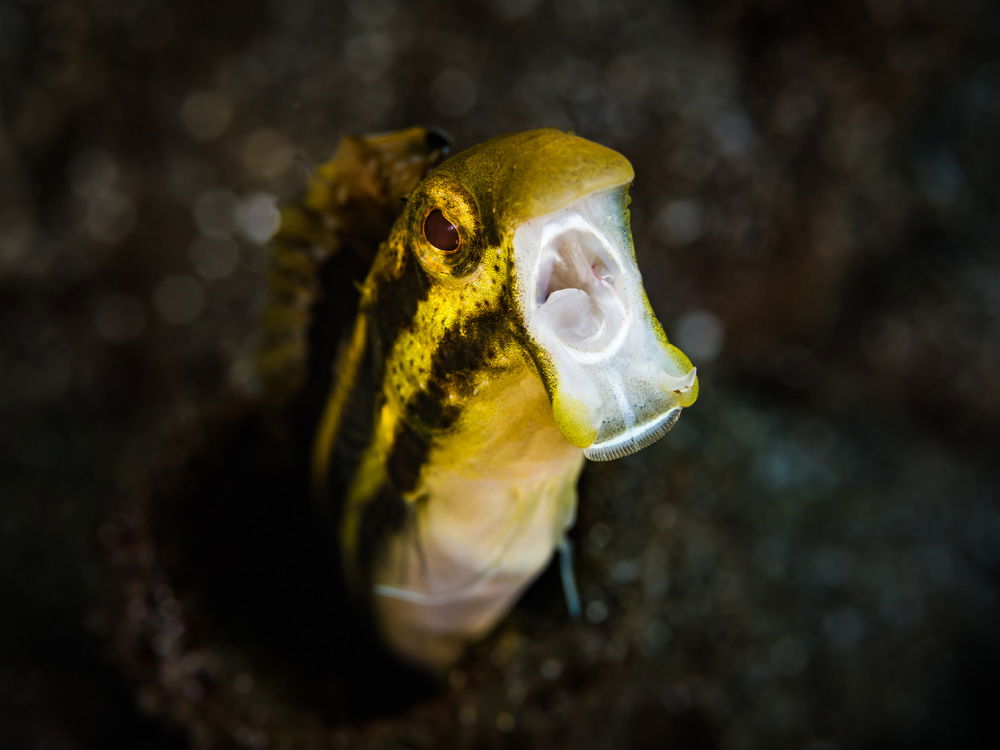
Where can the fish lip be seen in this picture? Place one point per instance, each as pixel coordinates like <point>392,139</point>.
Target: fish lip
<point>634,439</point>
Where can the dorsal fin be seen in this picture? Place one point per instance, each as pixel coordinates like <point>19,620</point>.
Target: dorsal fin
<point>323,249</point>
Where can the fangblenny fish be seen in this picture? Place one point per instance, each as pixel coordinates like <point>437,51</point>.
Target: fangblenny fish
<point>502,335</point>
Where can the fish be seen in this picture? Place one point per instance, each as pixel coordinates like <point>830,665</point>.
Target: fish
<point>502,337</point>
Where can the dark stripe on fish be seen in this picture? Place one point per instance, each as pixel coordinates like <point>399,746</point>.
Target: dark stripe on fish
<point>356,430</point>
<point>397,302</point>
<point>463,350</point>
<point>406,458</point>
<point>386,513</point>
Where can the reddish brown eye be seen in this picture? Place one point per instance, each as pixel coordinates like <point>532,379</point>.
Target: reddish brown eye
<point>440,232</point>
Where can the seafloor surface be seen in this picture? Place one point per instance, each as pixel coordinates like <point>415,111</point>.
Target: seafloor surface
<point>810,560</point>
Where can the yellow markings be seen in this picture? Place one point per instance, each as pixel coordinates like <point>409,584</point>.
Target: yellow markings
<point>684,366</point>
<point>371,471</point>
<point>574,418</point>
<point>688,397</point>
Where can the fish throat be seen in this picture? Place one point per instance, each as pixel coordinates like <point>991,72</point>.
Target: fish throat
<point>464,483</point>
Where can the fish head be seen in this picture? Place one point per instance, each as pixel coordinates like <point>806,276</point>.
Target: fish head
<point>520,251</point>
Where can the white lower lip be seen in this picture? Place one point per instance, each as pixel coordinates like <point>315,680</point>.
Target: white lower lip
<point>634,439</point>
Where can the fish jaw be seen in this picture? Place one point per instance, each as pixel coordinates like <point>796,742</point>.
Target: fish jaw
<point>615,382</point>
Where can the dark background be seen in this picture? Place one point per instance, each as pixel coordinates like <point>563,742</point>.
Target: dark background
<point>810,560</point>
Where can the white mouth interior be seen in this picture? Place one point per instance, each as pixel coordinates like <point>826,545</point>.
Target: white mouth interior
<point>584,305</point>
<point>577,296</point>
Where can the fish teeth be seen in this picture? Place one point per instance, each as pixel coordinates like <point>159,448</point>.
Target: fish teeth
<point>635,439</point>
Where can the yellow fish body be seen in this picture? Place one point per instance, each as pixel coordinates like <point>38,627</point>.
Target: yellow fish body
<point>502,336</point>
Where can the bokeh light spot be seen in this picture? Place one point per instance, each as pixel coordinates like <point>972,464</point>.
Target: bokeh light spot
<point>259,218</point>
<point>700,335</point>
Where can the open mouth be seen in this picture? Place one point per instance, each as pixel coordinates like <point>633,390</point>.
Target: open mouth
<point>585,307</point>
<point>577,293</point>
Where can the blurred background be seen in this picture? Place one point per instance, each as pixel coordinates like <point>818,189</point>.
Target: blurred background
<point>810,560</point>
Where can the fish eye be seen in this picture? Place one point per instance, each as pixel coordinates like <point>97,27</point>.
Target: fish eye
<point>440,232</point>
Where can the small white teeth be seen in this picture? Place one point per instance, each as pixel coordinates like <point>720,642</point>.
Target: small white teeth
<point>635,439</point>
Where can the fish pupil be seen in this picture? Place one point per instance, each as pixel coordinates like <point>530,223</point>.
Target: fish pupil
<point>440,232</point>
